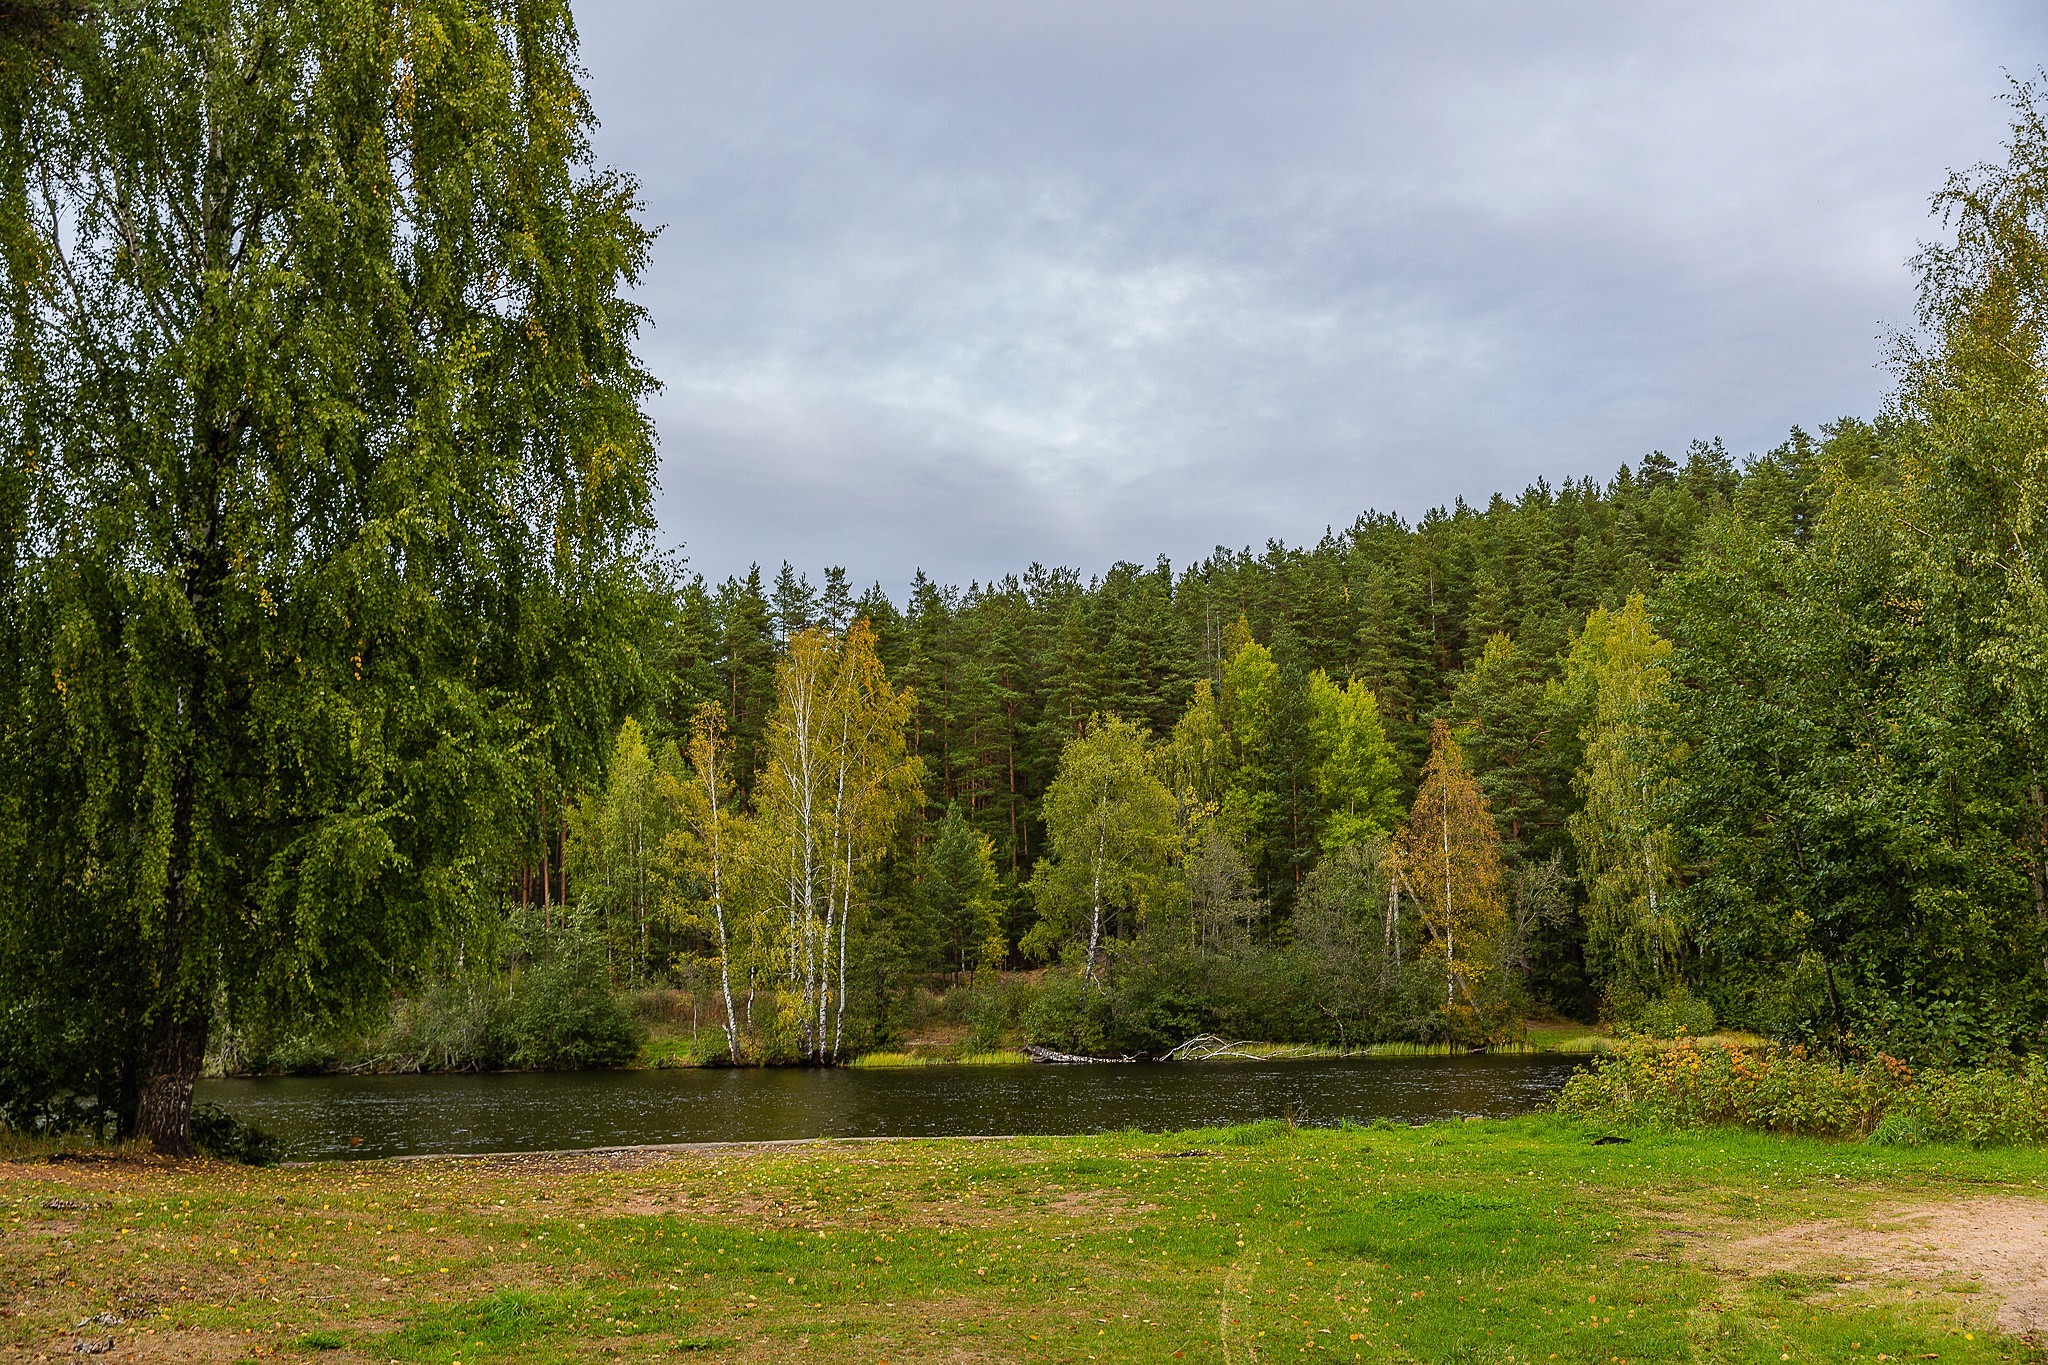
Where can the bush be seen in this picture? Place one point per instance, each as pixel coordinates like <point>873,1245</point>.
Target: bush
<point>57,1075</point>
<point>450,1025</point>
<point>564,1015</point>
<point>1985,1107</point>
<point>218,1133</point>
<point>991,1011</point>
<point>1068,1016</point>
<point>1677,1011</point>
<point>1792,1090</point>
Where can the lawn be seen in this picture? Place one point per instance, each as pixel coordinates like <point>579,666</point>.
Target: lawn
<point>1513,1240</point>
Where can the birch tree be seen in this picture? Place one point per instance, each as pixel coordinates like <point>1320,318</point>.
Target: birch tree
<point>617,834</point>
<point>1111,830</point>
<point>839,780</point>
<point>709,843</point>
<point>1617,680</point>
<point>1969,519</point>
<point>323,472</point>
<point>1357,780</point>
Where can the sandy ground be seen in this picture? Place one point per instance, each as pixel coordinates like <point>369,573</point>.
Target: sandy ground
<point>1999,1245</point>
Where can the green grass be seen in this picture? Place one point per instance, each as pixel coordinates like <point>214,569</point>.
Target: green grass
<point>880,1061</point>
<point>1572,1038</point>
<point>679,1045</point>
<point>1578,1039</point>
<point>1480,1242</point>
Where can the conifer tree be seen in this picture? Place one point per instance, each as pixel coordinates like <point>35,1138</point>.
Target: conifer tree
<point>1449,856</point>
<point>958,886</point>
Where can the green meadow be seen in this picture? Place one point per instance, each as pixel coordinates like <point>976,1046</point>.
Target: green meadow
<point>1521,1240</point>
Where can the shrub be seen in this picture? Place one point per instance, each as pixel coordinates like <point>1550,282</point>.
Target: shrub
<point>56,1074</point>
<point>449,1025</point>
<point>1068,1016</point>
<point>1675,1013</point>
<point>990,1013</point>
<point>1985,1107</point>
<point>564,1015</point>
<point>1792,1090</point>
<point>218,1133</point>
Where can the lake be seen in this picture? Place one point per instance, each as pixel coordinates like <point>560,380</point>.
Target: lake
<point>324,1117</point>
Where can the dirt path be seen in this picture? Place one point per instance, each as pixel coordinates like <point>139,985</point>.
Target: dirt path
<point>1998,1244</point>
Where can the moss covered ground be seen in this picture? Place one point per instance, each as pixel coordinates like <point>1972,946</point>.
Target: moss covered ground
<point>1518,1240</point>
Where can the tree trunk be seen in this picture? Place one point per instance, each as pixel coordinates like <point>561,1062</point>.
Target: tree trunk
<point>2037,866</point>
<point>163,1111</point>
<point>1834,1002</point>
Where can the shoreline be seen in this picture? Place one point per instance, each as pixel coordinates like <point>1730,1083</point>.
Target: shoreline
<point>1580,1043</point>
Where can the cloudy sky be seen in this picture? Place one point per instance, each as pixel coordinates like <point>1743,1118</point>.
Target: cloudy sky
<point>969,285</point>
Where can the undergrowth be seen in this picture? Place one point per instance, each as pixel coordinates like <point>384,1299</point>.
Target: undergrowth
<point>1792,1090</point>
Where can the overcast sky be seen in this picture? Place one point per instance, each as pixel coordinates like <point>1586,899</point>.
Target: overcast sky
<point>968,285</point>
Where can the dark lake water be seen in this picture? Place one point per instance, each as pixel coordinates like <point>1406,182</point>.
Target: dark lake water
<point>317,1117</point>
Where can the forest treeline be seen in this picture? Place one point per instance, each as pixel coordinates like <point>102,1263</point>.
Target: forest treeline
<point>1632,750</point>
<point>1233,685</point>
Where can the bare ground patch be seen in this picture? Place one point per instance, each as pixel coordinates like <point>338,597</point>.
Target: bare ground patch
<point>1999,1245</point>
<point>1096,1204</point>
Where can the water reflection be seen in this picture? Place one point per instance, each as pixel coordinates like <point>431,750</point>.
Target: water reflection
<point>321,1117</point>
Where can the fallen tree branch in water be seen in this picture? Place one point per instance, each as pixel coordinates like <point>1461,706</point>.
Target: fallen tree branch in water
<point>1208,1047</point>
<point>1046,1054</point>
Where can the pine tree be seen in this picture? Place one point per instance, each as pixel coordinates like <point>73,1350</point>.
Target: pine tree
<point>748,650</point>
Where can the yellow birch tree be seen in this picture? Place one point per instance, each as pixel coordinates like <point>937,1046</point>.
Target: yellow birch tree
<point>838,782</point>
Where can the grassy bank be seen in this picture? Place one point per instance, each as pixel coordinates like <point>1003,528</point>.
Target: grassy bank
<point>563,1015</point>
<point>667,1043</point>
<point>1489,1241</point>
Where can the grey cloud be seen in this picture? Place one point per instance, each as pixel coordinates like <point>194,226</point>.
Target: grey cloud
<point>968,286</point>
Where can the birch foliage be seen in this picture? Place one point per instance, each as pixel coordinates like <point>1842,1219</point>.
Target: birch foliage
<point>1110,824</point>
<point>708,846</point>
<point>1356,777</point>
<point>839,779</point>
<point>1617,679</point>
<point>322,470</point>
<point>618,833</point>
